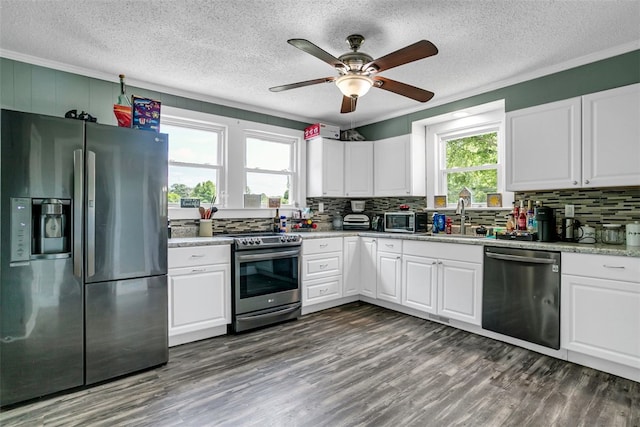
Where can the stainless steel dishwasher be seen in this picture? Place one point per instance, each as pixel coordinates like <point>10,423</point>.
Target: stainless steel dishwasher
<point>521,294</point>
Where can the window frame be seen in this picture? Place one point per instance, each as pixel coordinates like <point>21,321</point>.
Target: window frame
<point>445,137</point>
<point>478,119</point>
<point>293,171</point>
<point>209,126</point>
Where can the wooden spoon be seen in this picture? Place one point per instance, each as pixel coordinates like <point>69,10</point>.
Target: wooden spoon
<point>201,210</point>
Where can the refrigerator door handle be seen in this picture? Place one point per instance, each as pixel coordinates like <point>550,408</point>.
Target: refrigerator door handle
<point>91,213</point>
<point>78,190</point>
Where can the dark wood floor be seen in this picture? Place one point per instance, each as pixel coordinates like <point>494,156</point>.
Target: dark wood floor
<point>356,365</point>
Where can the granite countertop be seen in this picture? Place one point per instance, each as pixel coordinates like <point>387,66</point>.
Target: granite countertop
<point>181,242</point>
<point>598,248</point>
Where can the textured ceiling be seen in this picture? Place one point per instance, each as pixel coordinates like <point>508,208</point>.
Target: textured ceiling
<point>231,52</point>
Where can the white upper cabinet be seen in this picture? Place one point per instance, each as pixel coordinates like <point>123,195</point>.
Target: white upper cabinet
<point>399,167</point>
<point>611,137</point>
<point>358,168</point>
<point>325,168</point>
<point>589,141</point>
<point>543,146</point>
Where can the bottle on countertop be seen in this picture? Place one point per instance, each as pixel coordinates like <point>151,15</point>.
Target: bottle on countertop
<point>516,214</point>
<point>276,222</point>
<point>447,226</point>
<point>531,218</point>
<point>510,224</point>
<point>522,217</point>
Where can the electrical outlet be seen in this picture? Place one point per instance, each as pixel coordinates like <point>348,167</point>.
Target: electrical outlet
<point>569,211</point>
<point>320,207</point>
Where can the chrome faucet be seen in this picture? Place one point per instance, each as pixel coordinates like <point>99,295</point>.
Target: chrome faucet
<point>460,210</point>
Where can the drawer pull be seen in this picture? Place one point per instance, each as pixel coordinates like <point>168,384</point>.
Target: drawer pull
<point>389,245</point>
<point>197,256</point>
<point>324,291</point>
<point>198,270</point>
<point>613,266</point>
<point>324,245</point>
<point>323,266</point>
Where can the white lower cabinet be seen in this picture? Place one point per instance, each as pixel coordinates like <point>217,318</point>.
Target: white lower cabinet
<point>322,267</point>
<point>443,279</point>
<point>368,269</point>
<point>389,270</point>
<point>351,268</point>
<point>199,292</point>
<point>601,307</point>
<point>419,283</point>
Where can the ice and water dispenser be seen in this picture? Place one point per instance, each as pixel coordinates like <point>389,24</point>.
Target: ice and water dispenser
<point>40,228</point>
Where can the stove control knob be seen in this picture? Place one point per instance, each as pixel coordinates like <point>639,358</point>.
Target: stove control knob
<point>243,241</point>
<point>283,239</point>
<point>258,241</point>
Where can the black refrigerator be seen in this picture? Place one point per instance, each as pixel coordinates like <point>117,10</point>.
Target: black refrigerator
<point>83,260</point>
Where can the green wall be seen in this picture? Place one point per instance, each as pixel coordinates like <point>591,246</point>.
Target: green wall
<point>42,90</point>
<point>32,88</point>
<point>609,73</point>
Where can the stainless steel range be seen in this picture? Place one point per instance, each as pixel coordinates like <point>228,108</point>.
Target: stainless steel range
<point>266,279</point>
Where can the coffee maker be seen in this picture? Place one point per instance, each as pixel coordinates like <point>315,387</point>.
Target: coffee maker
<point>546,219</point>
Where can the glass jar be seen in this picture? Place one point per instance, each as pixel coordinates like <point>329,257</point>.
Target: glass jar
<point>612,234</point>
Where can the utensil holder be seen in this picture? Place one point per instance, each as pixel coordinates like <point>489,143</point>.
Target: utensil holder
<point>206,228</point>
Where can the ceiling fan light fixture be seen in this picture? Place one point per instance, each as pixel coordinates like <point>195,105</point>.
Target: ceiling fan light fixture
<point>354,85</point>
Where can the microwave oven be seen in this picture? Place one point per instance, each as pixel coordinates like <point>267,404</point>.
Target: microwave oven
<point>406,222</point>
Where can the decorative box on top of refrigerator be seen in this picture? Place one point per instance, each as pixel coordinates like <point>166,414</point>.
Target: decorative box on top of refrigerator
<point>323,130</point>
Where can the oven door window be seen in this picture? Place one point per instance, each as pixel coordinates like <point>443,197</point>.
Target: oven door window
<point>267,276</point>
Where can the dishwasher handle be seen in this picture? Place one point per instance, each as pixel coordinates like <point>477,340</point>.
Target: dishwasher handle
<point>518,258</point>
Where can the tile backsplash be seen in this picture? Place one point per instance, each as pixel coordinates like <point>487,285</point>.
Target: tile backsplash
<point>598,206</point>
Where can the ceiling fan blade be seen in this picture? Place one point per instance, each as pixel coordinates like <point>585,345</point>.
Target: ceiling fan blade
<point>402,89</point>
<point>312,49</point>
<point>348,104</point>
<point>301,84</point>
<point>414,52</point>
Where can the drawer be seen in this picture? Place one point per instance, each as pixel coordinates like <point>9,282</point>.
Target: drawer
<point>198,255</point>
<point>390,245</point>
<point>320,290</point>
<point>602,266</point>
<point>318,246</point>
<point>321,265</point>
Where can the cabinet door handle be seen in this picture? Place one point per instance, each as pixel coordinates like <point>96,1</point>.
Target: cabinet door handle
<point>440,262</point>
<point>433,263</point>
<point>620,267</point>
<point>586,181</point>
<point>575,182</point>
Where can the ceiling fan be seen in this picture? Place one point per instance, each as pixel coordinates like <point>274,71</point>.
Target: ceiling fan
<point>358,71</point>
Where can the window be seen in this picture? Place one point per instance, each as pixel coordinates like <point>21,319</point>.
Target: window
<point>195,159</point>
<point>270,166</point>
<point>465,152</point>
<point>469,161</point>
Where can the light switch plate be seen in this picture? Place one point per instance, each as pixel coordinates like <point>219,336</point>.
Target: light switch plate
<point>320,207</point>
<point>569,211</point>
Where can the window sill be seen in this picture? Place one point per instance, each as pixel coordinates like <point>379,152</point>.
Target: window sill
<point>229,213</point>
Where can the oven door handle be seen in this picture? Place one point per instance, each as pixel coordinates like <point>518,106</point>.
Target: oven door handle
<point>531,260</point>
<point>269,255</point>
<point>270,314</point>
